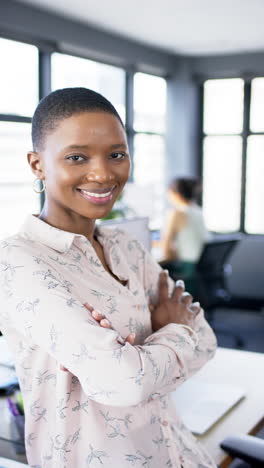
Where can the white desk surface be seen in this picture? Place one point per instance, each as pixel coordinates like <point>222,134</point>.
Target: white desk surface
<point>7,463</point>
<point>240,368</point>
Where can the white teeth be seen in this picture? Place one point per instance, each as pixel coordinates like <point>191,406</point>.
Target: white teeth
<point>97,195</point>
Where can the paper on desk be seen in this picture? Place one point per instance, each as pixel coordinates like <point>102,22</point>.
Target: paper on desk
<point>7,370</point>
<point>7,377</point>
<point>6,357</point>
<point>6,463</point>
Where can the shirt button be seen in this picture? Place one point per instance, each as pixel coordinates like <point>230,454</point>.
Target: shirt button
<point>165,423</point>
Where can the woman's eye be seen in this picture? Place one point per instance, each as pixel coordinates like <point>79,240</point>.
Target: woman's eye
<point>117,155</point>
<point>76,157</point>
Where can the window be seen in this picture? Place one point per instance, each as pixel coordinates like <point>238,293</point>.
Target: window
<point>254,218</point>
<point>149,145</point>
<point>254,214</point>
<point>222,153</point>
<point>149,103</point>
<point>222,182</point>
<point>223,106</point>
<point>19,97</point>
<point>18,78</point>
<point>257,105</point>
<point>69,71</point>
<point>233,155</point>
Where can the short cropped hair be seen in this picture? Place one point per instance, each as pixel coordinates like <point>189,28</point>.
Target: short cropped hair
<point>188,188</point>
<point>63,103</point>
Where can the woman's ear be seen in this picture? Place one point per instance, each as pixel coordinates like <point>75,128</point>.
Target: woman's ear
<point>36,164</point>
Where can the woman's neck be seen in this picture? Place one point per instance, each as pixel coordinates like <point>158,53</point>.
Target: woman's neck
<point>183,204</point>
<point>75,224</point>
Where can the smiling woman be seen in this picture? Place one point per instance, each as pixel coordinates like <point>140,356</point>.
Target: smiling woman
<point>82,155</point>
<point>100,334</point>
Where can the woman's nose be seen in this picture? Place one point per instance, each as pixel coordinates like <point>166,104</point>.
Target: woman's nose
<point>100,172</point>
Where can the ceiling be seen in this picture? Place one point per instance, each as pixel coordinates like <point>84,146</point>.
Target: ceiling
<point>189,27</point>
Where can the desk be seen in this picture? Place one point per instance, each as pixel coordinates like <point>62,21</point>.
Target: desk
<point>241,368</point>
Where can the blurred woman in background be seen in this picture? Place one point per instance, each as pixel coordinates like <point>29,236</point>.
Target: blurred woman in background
<point>185,232</point>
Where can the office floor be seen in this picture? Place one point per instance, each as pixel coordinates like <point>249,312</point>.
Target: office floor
<point>247,325</point>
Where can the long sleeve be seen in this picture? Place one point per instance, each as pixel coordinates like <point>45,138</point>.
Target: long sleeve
<point>39,304</point>
<point>203,337</point>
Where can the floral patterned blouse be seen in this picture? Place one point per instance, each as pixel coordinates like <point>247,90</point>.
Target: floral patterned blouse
<point>112,408</point>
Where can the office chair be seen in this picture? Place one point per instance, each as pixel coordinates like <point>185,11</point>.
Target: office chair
<point>246,281</point>
<point>208,276</point>
<point>212,271</point>
<point>228,275</point>
<point>248,451</point>
<point>235,281</point>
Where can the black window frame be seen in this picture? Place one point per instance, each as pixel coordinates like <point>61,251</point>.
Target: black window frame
<point>244,134</point>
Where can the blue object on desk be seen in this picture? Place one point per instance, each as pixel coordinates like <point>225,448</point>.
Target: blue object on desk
<point>7,377</point>
<point>12,407</point>
<point>7,367</point>
<point>17,426</point>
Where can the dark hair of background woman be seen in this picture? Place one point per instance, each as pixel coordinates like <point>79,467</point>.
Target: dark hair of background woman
<point>188,188</point>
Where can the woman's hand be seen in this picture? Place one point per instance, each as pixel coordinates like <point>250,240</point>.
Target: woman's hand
<point>175,309</point>
<point>104,323</point>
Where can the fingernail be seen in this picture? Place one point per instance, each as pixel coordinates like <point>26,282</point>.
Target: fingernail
<point>165,272</point>
<point>105,322</point>
<point>95,313</point>
<point>186,294</point>
<point>196,304</point>
<point>64,369</point>
<point>180,283</point>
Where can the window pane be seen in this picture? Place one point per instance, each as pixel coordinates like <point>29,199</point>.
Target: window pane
<point>16,193</point>
<point>18,78</point>
<point>254,216</point>
<point>69,71</point>
<point>223,106</point>
<point>257,105</point>
<point>222,182</point>
<point>147,198</point>
<point>149,103</point>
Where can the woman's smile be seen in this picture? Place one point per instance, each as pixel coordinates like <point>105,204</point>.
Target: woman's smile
<point>99,196</point>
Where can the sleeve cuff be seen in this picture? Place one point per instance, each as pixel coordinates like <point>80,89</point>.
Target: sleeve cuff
<point>173,329</point>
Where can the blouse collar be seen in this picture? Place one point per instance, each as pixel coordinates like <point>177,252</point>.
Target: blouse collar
<point>37,230</point>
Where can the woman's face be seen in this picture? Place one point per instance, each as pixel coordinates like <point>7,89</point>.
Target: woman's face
<point>85,164</point>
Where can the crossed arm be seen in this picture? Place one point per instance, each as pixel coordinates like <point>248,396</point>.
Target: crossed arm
<point>110,369</point>
<point>176,308</point>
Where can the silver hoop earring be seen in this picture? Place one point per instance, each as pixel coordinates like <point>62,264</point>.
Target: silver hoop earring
<point>35,186</point>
